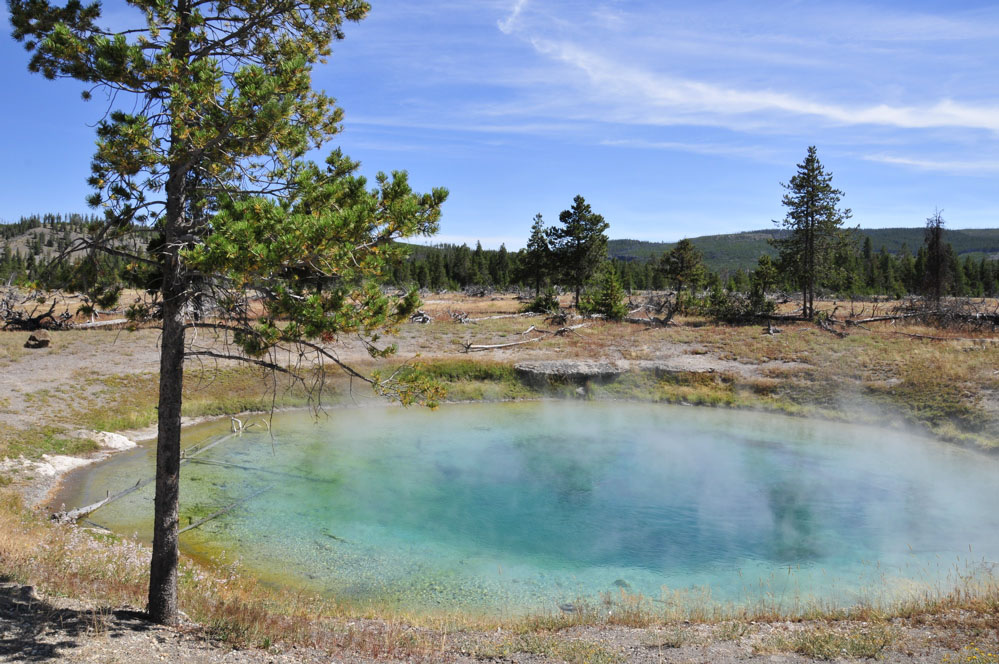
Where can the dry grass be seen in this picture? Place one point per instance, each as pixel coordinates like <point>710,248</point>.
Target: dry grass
<point>571,651</point>
<point>827,643</point>
<point>11,348</point>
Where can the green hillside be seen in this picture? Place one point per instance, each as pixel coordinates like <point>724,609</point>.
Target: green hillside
<point>741,250</point>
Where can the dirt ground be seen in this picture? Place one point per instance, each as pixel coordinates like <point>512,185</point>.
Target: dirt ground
<point>40,628</point>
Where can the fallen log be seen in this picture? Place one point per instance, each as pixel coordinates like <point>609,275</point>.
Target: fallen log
<point>529,313</point>
<point>256,469</point>
<point>878,319</point>
<point>472,348</point>
<point>222,511</point>
<point>469,347</point>
<point>651,321</point>
<point>102,323</point>
<point>824,324</point>
<point>86,510</point>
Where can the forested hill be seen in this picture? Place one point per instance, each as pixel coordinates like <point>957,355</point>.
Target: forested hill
<point>724,253</point>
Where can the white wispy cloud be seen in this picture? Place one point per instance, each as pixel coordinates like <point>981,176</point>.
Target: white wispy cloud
<point>506,25</point>
<point>646,94</point>
<point>756,153</point>
<point>957,167</point>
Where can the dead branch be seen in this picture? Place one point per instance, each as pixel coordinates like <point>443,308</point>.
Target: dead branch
<point>102,323</point>
<point>240,358</point>
<point>15,314</point>
<point>879,319</point>
<point>469,347</point>
<point>255,469</point>
<point>472,348</point>
<point>72,515</point>
<point>86,510</point>
<point>659,310</point>
<point>227,508</point>
<point>475,320</point>
<point>826,325</point>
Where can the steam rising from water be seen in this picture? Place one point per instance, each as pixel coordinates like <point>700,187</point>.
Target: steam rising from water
<point>514,507</point>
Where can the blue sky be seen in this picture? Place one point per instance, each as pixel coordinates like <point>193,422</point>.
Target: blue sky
<point>672,119</point>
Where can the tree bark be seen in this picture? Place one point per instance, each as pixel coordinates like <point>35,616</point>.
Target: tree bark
<point>163,569</point>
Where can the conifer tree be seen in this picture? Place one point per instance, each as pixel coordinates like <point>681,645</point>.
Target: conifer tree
<point>579,245</point>
<point>608,300</point>
<point>813,224</point>
<point>683,266</point>
<point>201,159</point>
<point>536,265</point>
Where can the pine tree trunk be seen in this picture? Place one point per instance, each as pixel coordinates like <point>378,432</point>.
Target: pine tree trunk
<point>163,569</point>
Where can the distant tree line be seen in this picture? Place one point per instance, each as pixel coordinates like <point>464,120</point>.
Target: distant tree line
<point>816,256</point>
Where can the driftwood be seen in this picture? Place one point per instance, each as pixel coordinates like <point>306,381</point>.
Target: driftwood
<point>227,508</point>
<point>826,325</point>
<point>472,348</point>
<point>73,515</point>
<point>879,319</point>
<point>469,347</point>
<point>558,318</point>
<point>86,510</point>
<point>15,315</point>
<point>659,311</point>
<point>102,323</point>
<point>256,469</point>
<point>475,320</point>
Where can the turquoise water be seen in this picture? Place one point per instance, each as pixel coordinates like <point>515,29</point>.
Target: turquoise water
<point>524,507</point>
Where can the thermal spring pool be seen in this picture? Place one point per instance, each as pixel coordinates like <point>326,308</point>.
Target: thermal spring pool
<point>504,509</point>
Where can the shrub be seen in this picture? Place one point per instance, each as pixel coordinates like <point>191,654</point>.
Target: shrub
<point>543,303</point>
<point>609,298</point>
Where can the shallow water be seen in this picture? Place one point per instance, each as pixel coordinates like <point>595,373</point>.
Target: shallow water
<point>510,508</point>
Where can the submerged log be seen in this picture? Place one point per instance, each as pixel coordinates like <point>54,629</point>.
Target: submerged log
<point>86,510</point>
<point>227,508</point>
<point>78,513</point>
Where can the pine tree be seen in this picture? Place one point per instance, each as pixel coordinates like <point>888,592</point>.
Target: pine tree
<point>579,245</point>
<point>608,301</point>
<point>813,223</point>
<point>499,268</point>
<point>536,265</point>
<point>683,266</point>
<point>208,160</point>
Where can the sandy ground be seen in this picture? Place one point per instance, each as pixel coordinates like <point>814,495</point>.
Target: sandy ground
<point>41,629</point>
